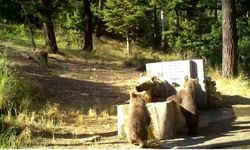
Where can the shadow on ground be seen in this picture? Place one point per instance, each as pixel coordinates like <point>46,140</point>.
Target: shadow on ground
<point>237,99</point>
<point>227,133</point>
<point>44,134</point>
<point>76,94</point>
<point>210,137</point>
<point>71,93</point>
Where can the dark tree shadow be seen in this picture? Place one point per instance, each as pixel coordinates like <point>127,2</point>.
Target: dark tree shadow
<point>215,130</point>
<point>76,94</point>
<point>46,134</point>
<point>236,99</point>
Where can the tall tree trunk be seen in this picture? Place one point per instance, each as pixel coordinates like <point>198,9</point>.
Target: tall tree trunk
<point>163,29</point>
<point>176,20</point>
<point>229,38</point>
<point>215,10</point>
<point>156,34</point>
<point>32,37</point>
<point>30,27</point>
<point>88,30</point>
<point>128,44</point>
<point>50,38</point>
<point>99,22</point>
<point>51,45</point>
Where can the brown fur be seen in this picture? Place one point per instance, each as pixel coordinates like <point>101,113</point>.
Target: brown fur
<point>138,121</point>
<point>186,99</point>
<point>155,89</point>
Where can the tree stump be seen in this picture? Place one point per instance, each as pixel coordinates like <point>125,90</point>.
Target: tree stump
<point>42,58</point>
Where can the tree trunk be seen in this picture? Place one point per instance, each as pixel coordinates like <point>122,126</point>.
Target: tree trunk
<point>128,45</point>
<point>229,38</point>
<point>30,27</point>
<point>51,45</point>
<point>99,23</point>
<point>88,30</point>
<point>215,10</point>
<point>163,29</point>
<point>156,35</point>
<point>176,21</point>
<point>32,37</point>
<point>50,38</point>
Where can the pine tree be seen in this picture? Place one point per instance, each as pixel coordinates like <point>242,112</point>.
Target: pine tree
<point>125,17</point>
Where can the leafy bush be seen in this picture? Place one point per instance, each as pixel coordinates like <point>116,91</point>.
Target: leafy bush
<point>15,94</point>
<point>244,53</point>
<point>17,98</point>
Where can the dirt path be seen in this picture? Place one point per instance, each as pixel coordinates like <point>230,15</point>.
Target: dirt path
<point>79,84</point>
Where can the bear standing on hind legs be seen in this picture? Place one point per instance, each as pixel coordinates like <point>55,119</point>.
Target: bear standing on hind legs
<point>186,99</point>
<point>138,121</point>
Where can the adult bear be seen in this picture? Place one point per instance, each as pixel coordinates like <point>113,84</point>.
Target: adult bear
<point>186,99</point>
<point>155,89</point>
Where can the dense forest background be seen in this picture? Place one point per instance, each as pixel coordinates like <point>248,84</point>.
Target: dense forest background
<point>192,28</point>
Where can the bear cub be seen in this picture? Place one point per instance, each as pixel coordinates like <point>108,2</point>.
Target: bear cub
<point>138,121</point>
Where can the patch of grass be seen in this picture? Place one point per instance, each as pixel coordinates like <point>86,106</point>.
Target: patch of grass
<point>15,94</point>
<point>22,108</point>
<point>143,56</point>
<point>233,86</point>
<point>9,138</point>
<point>20,129</point>
<point>140,59</point>
<point>236,89</point>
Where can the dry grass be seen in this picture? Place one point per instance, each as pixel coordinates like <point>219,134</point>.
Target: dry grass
<point>233,86</point>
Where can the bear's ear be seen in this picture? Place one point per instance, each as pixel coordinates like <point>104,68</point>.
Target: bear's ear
<point>142,74</point>
<point>154,78</point>
<point>133,95</point>
<point>197,80</point>
<point>186,78</point>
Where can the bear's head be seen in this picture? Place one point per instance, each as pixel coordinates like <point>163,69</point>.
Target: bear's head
<point>136,99</point>
<point>192,83</point>
<point>145,83</point>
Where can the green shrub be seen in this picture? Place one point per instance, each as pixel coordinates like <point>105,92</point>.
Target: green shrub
<point>244,53</point>
<point>8,138</point>
<point>14,137</point>
<point>16,98</point>
<point>15,94</point>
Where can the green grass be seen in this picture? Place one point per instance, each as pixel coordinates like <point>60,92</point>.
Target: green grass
<point>20,103</point>
<point>232,86</point>
<point>16,94</point>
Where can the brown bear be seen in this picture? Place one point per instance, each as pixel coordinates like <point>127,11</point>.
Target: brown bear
<point>138,121</point>
<point>186,99</point>
<point>155,89</point>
